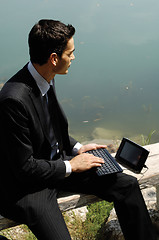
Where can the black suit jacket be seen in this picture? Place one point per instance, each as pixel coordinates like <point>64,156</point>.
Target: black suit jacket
<point>25,164</point>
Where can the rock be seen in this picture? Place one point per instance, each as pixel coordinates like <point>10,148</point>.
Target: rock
<point>78,212</point>
<point>106,133</point>
<point>149,195</point>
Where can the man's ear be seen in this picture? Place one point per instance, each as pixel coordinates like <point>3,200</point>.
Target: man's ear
<point>54,59</point>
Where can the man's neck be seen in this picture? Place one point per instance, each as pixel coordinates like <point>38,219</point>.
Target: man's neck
<point>44,71</point>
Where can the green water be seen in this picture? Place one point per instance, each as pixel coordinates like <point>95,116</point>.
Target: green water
<point>112,87</point>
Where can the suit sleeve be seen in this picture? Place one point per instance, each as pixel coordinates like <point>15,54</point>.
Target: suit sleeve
<point>18,147</point>
<point>72,142</point>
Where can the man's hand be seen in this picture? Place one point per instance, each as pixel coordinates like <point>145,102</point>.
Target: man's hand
<point>91,146</point>
<point>85,161</point>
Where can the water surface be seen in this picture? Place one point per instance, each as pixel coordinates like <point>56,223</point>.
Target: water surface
<point>112,87</point>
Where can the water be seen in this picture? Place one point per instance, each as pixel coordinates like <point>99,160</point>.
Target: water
<point>112,87</point>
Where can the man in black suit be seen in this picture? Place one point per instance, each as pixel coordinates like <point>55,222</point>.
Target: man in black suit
<point>39,158</point>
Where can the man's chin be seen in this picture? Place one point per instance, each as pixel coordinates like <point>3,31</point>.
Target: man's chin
<point>64,73</point>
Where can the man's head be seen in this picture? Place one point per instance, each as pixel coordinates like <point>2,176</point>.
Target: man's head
<point>47,37</point>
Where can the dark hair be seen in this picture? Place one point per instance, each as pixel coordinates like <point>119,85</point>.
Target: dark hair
<point>46,37</point>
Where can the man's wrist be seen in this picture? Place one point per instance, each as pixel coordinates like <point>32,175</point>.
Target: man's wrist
<point>76,148</point>
<point>68,168</point>
<point>67,163</point>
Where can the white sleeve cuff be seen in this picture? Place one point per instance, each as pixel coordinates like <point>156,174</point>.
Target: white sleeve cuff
<point>76,148</point>
<point>68,168</point>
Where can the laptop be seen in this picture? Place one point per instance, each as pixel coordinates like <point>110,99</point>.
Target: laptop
<point>129,154</point>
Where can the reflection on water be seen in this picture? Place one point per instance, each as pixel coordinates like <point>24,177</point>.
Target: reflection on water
<point>111,89</point>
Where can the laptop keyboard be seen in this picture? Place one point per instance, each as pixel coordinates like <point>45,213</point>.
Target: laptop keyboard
<point>110,166</point>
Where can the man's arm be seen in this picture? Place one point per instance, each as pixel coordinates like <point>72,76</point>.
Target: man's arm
<point>17,135</point>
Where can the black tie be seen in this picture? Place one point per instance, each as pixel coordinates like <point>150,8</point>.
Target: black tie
<point>49,108</point>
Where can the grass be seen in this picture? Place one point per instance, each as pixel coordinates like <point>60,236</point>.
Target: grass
<point>92,228</point>
<point>18,233</point>
<point>147,140</point>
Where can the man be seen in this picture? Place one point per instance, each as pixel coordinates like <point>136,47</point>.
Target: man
<point>39,158</point>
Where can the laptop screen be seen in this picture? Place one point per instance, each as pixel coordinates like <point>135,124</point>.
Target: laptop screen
<point>131,155</point>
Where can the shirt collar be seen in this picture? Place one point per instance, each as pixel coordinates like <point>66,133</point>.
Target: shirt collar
<point>43,85</point>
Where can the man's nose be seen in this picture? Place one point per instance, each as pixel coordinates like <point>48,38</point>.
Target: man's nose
<point>73,57</point>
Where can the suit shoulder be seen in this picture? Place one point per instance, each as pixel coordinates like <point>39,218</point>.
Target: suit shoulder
<point>14,90</point>
<point>19,86</point>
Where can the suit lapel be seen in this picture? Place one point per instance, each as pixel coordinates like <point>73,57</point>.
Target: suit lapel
<point>37,101</point>
<point>36,98</point>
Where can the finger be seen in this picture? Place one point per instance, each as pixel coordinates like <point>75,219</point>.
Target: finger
<point>97,159</point>
<point>96,146</point>
<point>101,146</point>
<point>96,165</point>
<point>93,158</point>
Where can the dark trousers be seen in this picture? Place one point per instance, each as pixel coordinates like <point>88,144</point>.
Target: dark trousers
<point>41,213</point>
